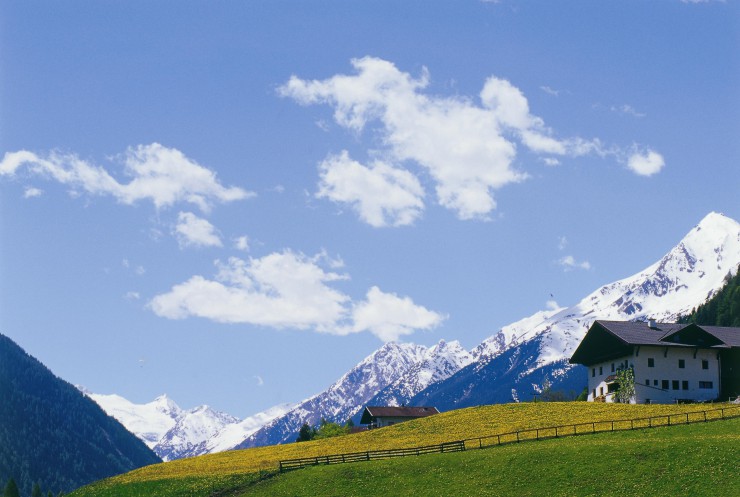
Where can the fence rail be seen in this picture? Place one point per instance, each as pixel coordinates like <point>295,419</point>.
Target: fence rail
<point>602,426</point>
<point>371,455</point>
<point>521,436</point>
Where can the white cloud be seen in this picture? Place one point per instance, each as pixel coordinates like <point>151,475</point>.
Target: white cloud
<point>550,161</point>
<point>467,149</point>
<point>646,163</point>
<point>31,192</point>
<point>627,110</point>
<point>550,91</point>
<point>162,175</point>
<point>552,305</point>
<point>193,231</point>
<point>280,290</point>
<point>389,317</point>
<point>569,263</point>
<point>562,243</point>
<point>381,194</point>
<point>290,290</point>
<point>260,380</point>
<point>242,243</point>
<point>132,296</point>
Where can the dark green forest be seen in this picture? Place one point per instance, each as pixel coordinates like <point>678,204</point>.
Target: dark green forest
<point>723,309</point>
<point>51,436</point>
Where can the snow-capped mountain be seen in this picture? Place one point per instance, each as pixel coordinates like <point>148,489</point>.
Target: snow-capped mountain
<point>192,428</point>
<point>346,396</point>
<point>439,363</point>
<point>517,359</point>
<point>150,422</point>
<point>173,433</point>
<point>232,435</point>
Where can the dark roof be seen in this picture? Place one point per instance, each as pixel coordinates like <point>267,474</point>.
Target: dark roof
<point>612,339</point>
<point>371,412</point>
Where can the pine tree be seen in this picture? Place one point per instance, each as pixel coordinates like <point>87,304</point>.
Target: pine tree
<point>36,492</point>
<point>11,489</point>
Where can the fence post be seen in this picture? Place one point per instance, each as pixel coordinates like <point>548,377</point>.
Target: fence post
<point>537,434</point>
<point>517,436</point>
<point>367,455</point>
<point>612,425</point>
<point>480,443</point>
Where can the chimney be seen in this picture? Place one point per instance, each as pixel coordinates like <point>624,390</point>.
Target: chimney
<point>652,324</point>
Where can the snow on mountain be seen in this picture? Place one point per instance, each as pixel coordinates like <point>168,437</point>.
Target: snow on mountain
<point>232,435</point>
<point>685,277</point>
<point>173,433</point>
<point>524,352</point>
<point>346,396</point>
<point>150,422</point>
<point>439,363</point>
<point>191,429</point>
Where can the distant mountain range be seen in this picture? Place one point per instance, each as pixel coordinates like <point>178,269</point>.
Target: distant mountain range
<point>53,435</point>
<point>511,365</point>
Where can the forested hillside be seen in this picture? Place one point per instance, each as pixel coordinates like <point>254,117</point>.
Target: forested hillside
<point>723,309</point>
<point>52,435</point>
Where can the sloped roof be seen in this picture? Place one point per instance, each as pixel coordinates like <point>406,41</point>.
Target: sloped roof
<point>371,412</point>
<point>612,339</point>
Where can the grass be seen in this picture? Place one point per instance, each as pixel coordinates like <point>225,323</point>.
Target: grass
<point>225,473</point>
<point>698,459</point>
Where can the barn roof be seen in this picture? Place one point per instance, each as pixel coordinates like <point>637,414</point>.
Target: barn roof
<point>612,339</point>
<point>372,412</point>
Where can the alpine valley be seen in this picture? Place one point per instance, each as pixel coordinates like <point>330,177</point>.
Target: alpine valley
<point>511,365</point>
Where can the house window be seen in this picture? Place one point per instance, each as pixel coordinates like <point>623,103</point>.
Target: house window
<point>651,362</point>
<point>704,364</point>
<point>647,382</point>
<point>601,390</point>
<point>681,364</point>
<point>655,383</point>
<point>594,393</point>
<point>664,384</point>
<point>685,385</point>
<point>601,370</point>
<point>706,384</point>
<point>675,384</point>
<point>593,372</point>
<point>612,367</point>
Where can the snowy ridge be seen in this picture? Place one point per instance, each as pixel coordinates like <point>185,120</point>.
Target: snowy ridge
<point>173,433</point>
<point>439,363</point>
<point>346,396</point>
<point>150,422</point>
<point>683,279</point>
<point>521,355</point>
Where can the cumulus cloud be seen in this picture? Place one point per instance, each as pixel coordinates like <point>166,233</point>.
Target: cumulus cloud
<point>31,192</point>
<point>242,243</point>
<point>569,263</point>
<point>646,163</point>
<point>467,148</point>
<point>290,290</point>
<point>164,176</point>
<point>193,231</point>
<point>389,316</point>
<point>381,194</point>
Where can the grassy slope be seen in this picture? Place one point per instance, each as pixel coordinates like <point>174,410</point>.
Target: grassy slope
<point>206,475</point>
<point>699,459</point>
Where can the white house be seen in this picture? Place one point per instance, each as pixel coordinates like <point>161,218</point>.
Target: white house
<point>671,362</point>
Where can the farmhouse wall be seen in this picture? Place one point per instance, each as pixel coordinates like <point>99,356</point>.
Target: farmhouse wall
<point>666,381</point>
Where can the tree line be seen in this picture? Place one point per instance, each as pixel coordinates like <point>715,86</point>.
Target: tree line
<point>11,490</point>
<point>723,309</point>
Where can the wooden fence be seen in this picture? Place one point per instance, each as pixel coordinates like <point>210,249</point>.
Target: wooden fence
<point>371,455</point>
<point>602,426</point>
<point>521,436</point>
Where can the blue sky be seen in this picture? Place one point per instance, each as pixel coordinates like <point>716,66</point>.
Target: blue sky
<point>235,202</point>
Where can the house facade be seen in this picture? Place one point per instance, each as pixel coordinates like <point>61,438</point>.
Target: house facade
<point>670,362</point>
<point>380,416</point>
